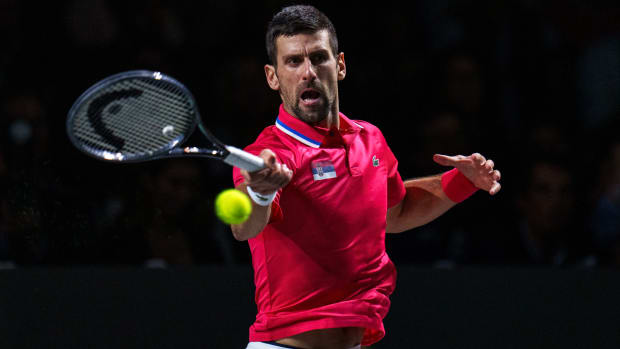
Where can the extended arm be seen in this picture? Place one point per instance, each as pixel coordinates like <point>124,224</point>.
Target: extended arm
<point>423,202</point>
<point>426,198</point>
<point>265,181</point>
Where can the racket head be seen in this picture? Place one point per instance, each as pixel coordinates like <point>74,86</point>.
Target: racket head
<point>133,116</point>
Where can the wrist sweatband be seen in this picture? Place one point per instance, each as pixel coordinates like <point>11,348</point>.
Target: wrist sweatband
<point>456,186</point>
<point>261,199</point>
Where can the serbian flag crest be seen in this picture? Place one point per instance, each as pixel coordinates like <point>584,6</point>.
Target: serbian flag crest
<point>323,169</point>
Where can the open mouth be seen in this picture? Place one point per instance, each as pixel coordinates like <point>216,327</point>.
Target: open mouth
<point>310,96</point>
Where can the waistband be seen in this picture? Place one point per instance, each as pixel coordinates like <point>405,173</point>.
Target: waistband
<point>274,345</point>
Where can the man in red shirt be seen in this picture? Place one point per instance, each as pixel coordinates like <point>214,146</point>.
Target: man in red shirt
<point>330,192</point>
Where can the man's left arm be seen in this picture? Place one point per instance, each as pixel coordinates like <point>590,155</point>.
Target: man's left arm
<point>429,197</point>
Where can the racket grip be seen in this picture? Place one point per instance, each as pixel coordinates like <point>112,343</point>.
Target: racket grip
<point>243,159</point>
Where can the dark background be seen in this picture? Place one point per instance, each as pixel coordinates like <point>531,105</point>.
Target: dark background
<point>533,85</point>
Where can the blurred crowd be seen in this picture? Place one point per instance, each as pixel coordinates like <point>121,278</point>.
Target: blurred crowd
<point>533,86</point>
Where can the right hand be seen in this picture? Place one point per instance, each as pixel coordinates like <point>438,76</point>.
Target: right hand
<point>271,178</point>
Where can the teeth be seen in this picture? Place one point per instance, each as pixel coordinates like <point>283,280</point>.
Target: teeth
<point>309,95</point>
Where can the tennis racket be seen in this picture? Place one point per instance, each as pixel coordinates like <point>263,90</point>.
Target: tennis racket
<point>142,115</point>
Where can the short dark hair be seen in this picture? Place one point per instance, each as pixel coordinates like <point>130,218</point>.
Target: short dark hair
<point>298,19</point>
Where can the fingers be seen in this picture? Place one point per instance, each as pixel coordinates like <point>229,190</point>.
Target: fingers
<point>442,159</point>
<point>269,157</point>
<point>476,168</point>
<point>445,160</point>
<point>273,177</point>
<point>496,175</point>
<point>495,188</point>
<point>488,165</point>
<point>246,175</point>
<point>282,175</point>
<point>488,168</point>
<point>478,158</point>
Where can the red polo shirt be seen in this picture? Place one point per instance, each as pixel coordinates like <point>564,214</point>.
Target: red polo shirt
<point>321,261</point>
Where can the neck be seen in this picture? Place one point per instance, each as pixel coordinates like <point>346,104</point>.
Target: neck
<point>332,121</point>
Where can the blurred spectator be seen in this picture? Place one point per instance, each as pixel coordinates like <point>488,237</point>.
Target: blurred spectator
<point>4,211</point>
<point>443,242</point>
<point>91,23</point>
<point>24,177</point>
<point>443,133</point>
<point>27,140</point>
<point>507,79</point>
<point>605,219</point>
<point>547,228</point>
<point>461,85</point>
<point>159,20</point>
<point>169,222</point>
<point>454,82</point>
<point>547,208</point>
<point>591,31</point>
<point>10,36</point>
<point>26,220</point>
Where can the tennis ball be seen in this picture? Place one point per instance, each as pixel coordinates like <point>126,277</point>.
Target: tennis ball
<point>233,206</point>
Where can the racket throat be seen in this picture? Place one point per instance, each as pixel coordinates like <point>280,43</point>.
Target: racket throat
<point>198,152</point>
<point>230,155</point>
<point>239,158</point>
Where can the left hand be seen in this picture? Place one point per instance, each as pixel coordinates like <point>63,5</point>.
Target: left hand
<point>476,168</point>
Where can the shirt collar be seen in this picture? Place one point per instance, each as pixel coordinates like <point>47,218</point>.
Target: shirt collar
<point>312,136</point>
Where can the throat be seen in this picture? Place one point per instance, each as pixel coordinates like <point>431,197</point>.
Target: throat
<point>331,122</point>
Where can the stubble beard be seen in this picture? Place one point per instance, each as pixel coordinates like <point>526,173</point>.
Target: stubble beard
<point>313,115</point>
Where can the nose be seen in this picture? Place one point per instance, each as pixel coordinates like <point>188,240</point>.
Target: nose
<point>309,73</point>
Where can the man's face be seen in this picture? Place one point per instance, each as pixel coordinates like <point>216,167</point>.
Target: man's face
<point>307,75</point>
<point>549,203</point>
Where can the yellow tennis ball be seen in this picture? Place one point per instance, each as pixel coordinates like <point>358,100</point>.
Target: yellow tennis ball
<point>233,206</point>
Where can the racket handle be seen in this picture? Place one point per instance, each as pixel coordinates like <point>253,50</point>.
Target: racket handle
<point>243,159</point>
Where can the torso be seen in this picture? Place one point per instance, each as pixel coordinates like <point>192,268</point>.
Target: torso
<point>321,271</point>
<point>336,338</point>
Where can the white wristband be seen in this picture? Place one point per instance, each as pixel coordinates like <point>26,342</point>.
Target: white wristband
<point>263,200</point>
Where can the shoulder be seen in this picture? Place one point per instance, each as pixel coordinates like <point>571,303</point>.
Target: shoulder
<point>271,138</point>
<point>369,129</point>
<point>366,125</point>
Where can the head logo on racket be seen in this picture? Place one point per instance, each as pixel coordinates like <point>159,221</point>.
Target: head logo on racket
<point>95,111</point>
<point>142,115</point>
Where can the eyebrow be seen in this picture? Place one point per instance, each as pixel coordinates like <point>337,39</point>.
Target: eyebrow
<point>313,53</point>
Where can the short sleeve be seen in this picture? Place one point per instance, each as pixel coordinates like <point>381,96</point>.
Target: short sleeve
<point>395,186</point>
<point>256,148</point>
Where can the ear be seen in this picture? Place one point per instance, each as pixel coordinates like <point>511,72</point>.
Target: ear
<point>272,77</point>
<point>342,67</point>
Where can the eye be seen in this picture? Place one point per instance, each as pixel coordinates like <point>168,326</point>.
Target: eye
<point>295,60</point>
<point>318,58</point>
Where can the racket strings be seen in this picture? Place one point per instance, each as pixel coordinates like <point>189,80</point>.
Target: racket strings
<point>134,117</point>
<point>135,126</point>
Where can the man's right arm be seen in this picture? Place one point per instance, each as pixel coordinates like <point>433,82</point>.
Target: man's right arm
<point>255,223</point>
<point>266,181</point>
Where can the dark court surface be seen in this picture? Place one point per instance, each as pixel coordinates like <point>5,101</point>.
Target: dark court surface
<point>212,307</point>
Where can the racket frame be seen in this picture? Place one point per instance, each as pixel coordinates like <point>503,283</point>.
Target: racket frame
<point>171,149</point>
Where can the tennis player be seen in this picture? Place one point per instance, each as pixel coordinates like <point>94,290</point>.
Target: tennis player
<point>330,192</point>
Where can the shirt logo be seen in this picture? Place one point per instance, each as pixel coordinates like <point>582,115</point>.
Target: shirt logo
<point>323,169</point>
<point>375,161</point>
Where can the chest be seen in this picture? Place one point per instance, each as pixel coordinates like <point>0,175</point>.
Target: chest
<point>329,173</point>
